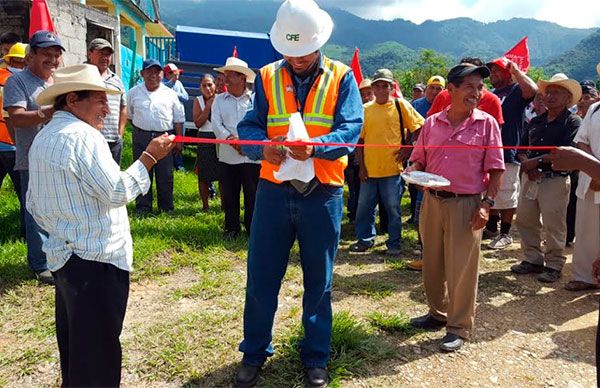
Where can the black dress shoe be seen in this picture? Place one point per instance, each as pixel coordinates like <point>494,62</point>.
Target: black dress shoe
<point>316,377</point>
<point>247,376</point>
<point>427,322</point>
<point>451,342</point>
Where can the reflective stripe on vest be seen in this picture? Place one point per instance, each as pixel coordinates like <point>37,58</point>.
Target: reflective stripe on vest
<point>319,110</point>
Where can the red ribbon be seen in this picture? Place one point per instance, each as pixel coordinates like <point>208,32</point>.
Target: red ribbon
<point>288,143</point>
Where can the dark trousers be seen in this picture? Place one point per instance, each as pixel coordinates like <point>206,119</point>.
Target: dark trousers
<point>353,181</point>
<point>412,190</point>
<point>572,207</point>
<point>7,166</point>
<point>235,177</point>
<point>116,149</point>
<point>91,299</point>
<point>163,171</point>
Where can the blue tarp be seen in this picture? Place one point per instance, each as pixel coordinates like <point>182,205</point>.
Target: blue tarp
<point>128,59</point>
<point>213,47</point>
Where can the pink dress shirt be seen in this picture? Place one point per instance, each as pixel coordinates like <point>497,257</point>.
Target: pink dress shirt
<point>466,168</point>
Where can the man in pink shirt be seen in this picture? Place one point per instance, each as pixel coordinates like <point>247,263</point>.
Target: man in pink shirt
<point>452,219</point>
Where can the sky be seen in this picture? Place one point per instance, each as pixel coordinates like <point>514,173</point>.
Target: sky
<point>568,13</point>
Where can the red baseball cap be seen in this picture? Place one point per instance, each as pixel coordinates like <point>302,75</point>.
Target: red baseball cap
<point>501,62</point>
<point>172,68</point>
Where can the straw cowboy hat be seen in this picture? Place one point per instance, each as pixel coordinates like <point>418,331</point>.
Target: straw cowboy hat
<point>239,66</point>
<point>74,79</point>
<point>563,81</point>
<point>301,28</point>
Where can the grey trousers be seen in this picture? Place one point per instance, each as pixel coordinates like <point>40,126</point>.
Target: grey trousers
<point>542,214</point>
<point>163,171</point>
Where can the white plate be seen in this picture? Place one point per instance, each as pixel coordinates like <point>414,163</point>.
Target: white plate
<point>426,179</point>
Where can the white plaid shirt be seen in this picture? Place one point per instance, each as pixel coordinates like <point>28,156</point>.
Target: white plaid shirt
<point>78,194</point>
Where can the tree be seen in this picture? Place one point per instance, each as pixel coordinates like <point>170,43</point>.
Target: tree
<point>429,63</point>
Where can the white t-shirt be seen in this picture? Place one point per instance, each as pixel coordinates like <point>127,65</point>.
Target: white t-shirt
<point>154,111</point>
<point>589,133</point>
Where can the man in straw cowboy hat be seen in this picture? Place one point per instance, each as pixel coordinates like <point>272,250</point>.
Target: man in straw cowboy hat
<point>326,94</point>
<point>237,171</point>
<point>78,194</point>
<point>545,191</point>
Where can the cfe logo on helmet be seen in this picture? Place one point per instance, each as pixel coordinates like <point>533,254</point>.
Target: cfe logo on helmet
<point>293,37</point>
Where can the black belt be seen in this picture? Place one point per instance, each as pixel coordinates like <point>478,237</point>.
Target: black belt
<point>447,194</point>
<point>171,131</point>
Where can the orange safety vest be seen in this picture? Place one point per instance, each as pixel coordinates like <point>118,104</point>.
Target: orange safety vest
<point>319,110</point>
<point>4,135</point>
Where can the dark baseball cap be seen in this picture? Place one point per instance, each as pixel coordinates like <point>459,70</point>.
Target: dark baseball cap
<point>43,39</point>
<point>458,72</point>
<point>148,63</point>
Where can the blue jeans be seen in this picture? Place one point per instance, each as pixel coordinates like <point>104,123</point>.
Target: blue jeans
<point>281,215</point>
<point>34,235</point>
<point>390,190</point>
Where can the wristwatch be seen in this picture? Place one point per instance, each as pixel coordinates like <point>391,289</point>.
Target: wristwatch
<point>540,160</point>
<point>41,113</point>
<point>489,201</point>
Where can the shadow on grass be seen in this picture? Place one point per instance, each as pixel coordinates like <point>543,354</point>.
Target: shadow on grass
<point>356,350</point>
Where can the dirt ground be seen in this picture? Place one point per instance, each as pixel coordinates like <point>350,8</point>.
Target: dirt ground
<point>527,334</point>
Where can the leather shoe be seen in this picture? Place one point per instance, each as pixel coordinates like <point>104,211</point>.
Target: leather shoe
<point>427,322</point>
<point>247,376</point>
<point>316,377</point>
<point>451,342</point>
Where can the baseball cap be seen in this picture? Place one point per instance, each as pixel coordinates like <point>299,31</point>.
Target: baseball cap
<point>99,44</point>
<point>465,69</point>
<point>172,68</point>
<point>383,75</point>
<point>148,63</point>
<point>501,62</point>
<point>437,80</point>
<point>365,83</point>
<point>420,87</point>
<point>43,39</point>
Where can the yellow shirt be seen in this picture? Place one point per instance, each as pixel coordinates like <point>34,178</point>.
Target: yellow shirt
<point>382,126</point>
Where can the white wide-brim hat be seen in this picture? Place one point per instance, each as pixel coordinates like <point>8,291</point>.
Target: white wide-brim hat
<point>239,66</point>
<point>74,79</point>
<point>301,28</point>
<point>563,81</point>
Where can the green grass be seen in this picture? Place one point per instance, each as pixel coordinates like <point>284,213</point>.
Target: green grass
<point>192,330</point>
<point>397,323</point>
<point>354,346</point>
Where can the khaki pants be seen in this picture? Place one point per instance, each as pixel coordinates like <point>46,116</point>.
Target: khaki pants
<point>587,230</point>
<point>549,200</point>
<point>451,260</point>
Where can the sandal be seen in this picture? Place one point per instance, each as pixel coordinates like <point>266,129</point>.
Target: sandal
<point>578,285</point>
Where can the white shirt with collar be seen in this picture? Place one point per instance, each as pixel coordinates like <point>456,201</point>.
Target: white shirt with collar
<point>156,111</point>
<point>227,111</point>
<point>589,133</point>
<point>77,193</point>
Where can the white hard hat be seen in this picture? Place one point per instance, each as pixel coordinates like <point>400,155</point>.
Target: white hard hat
<point>301,28</point>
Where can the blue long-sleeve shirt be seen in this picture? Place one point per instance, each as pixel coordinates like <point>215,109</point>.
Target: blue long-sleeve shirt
<point>178,88</point>
<point>347,120</point>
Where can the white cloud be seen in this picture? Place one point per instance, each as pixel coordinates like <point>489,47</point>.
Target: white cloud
<point>574,13</point>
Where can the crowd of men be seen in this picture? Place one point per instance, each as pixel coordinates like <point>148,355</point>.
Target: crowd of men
<point>61,141</point>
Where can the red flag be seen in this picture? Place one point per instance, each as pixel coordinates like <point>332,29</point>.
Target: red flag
<point>396,92</point>
<point>355,66</point>
<point>39,18</point>
<point>520,55</point>
<point>235,54</point>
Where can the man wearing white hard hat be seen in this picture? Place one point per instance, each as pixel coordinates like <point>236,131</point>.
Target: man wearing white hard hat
<point>325,93</point>
<point>542,207</point>
<point>237,171</point>
<point>78,194</point>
